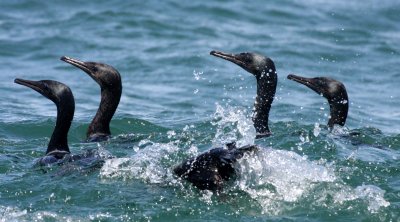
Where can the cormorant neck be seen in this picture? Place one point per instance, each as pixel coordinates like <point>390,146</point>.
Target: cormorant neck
<point>58,145</point>
<point>338,111</point>
<point>100,125</point>
<point>266,87</point>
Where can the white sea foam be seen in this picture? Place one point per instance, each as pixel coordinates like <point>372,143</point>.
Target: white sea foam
<point>9,214</point>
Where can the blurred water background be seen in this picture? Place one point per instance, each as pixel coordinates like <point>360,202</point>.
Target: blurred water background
<point>179,101</point>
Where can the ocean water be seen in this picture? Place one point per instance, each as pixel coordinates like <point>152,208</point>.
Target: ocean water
<point>179,101</point>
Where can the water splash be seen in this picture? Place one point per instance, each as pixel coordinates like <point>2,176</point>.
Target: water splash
<point>11,213</point>
<point>273,177</point>
<point>233,124</point>
<point>14,214</point>
<point>316,130</point>
<point>339,131</point>
<point>371,194</point>
<point>304,138</point>
<point>148,164</point>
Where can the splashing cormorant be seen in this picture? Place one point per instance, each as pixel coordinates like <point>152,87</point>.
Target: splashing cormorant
<point>263,68</point>
<point>212,169</point>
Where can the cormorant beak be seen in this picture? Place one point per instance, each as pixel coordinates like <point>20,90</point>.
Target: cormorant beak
<point>77,63</point>
<point>230,57</point>
<point>35,85</point>
<point>309,82</point>
<point>183,169</point>
<point>299,79</point>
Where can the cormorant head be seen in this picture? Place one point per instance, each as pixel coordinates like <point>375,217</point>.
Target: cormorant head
<point>105,75</point>
<point>331,89</point>
<point>53,90</point>
<point>334,91</point>
<point>183,168</point>
<point>254,63</point>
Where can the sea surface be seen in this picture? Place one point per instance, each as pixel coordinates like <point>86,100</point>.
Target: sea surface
<point>178,101</point>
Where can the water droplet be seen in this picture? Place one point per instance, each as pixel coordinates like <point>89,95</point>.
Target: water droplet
<point>197,75</point>
<point>316,130</point>
<point>171,133</point>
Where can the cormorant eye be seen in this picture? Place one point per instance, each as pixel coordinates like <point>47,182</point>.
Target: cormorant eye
<point>246,57</point>
<point>46,86</point>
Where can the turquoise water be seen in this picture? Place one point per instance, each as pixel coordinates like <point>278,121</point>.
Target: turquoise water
<point>179,101</point>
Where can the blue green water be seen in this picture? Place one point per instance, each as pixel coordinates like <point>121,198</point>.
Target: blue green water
<point>179,101</point>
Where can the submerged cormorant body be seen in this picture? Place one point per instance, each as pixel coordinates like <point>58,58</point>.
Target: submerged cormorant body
<point>334,91</point>
<point>109,80</point>
<point>210,170</point>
